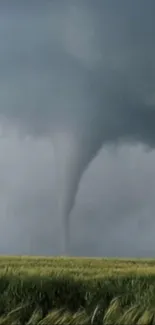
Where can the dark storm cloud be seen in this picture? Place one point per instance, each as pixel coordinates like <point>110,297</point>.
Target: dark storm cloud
<point>85,64</point>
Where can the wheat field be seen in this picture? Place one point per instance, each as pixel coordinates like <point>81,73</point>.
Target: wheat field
<point>76,267</point>
<point>44,290</point>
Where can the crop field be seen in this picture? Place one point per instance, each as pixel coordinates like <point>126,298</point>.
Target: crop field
<point>42,290</point>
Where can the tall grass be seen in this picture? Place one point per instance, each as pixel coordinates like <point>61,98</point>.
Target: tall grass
<point>76,291</point>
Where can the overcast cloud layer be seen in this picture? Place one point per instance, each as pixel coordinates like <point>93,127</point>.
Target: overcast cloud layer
<point>86,68</point>
<point>114,211</point>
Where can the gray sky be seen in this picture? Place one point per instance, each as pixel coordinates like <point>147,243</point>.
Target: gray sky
<point>58,61</point>
<point>114,211</point>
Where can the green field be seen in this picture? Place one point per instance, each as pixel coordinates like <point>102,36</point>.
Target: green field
<point>39,290</point>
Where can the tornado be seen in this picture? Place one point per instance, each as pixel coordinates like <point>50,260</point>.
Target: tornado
<point>72,157</point>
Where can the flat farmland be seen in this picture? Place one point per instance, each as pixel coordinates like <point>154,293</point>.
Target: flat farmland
<point>63,290</point>
<point>87,268</point>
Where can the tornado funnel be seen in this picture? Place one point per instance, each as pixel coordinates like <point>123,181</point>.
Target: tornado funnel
<point>68,173</point>
<point>71,159</point>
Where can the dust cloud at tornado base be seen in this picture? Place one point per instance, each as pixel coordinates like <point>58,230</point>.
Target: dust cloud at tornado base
<point>82,75</point>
